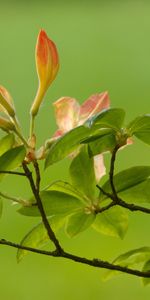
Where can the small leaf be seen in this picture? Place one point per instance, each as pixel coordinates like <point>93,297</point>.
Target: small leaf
<point>79,222</point>
<point>103,144</point>
<point>113,222</point>
<point>129,259</point>
<point>127,179</point>
<point>111,118</point>
<point>133,257</point>
<point>55,203</point>
<point>37,237</point>
<point>12,159</point>
<point>82,173</point>
<point>67,144</point>
<point>146,268</point>
<point>66,187</point>
<point>100,134</point>
<point>6,143</point>
<point>140,127</point>
<point>140,193</point>
<point>139,124</point>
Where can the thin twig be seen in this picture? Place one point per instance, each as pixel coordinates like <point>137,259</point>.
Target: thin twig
<point>130,206</point>
<point>104,208</point>
<point>97,263</point>
<point>104,192</point>
<point>13,173</point>
<point>14,199</point>
<point>111,172</point>
<point>114,196</point>
<point>35,190</point>
<point>38,177</point>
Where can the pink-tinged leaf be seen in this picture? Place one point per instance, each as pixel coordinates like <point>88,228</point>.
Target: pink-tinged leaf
<point>67,113</point>
<point>58,133</point>
<point>129,141</point>
<point>99,167</point>
<point>93,105</point>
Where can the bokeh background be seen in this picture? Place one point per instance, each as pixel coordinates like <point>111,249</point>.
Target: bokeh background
<point>103,45</point>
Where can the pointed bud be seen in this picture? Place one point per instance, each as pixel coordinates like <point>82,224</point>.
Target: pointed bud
<point>6,125</point>
<point>6,102</point>
<point>47,65</point>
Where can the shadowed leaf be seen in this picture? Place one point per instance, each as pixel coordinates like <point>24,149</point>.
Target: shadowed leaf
<point>78,222</point>
<point>37,237</point>
<point>113,222</point>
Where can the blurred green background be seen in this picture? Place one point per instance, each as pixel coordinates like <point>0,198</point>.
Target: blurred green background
<point>103,45</point>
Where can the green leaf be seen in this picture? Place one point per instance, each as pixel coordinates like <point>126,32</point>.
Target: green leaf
<point>113,222</point>
<point>66,187</point>
<point>6,143</point>
<point>78,222</point>
<point>54,203</point>
<point>111,118</point>
<point>12,159</point>
<point>82,173</point>
<point>140,193</point>
<point>146,268</point>
<point>139,124</point>
<point>1,207</point>
<point>37,237</point>
<point>103,144</point>
<point>140,127</point>
<point>130,259</point>
<point>99,134</point>
<point>67,144</point>
<point>127,180</point>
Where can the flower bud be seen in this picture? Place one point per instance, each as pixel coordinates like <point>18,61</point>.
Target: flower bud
<point>47,65</point>
<point>6,102</point>
<point>6,125</point>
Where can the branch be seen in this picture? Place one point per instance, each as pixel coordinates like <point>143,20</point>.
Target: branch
<point>120,202</point>
<point>132,207</point>
<point>104,208</point>
<point>114,197</point>
<point>97,263</point>
<point>35,190</point>
<point>111,173</point>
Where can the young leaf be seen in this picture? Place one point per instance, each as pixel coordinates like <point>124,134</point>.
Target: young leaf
<point>12,159</point>
<point>6,143</point>
<point>140,193</point>
<point>139,124</point>
<point>113,222</point>
<point>127,179</point>
<point>99,134</point>
<point>55,203</point>
<point>66,187</point>
<point>37,237</point>
<point>78,222</point>
<point>67,144</point>
<point>140,127</point>
<point>82,173</point>
<point>103,144</point>
<point>130,259</point>
<point>146,267</point>
<point>111,118</point>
